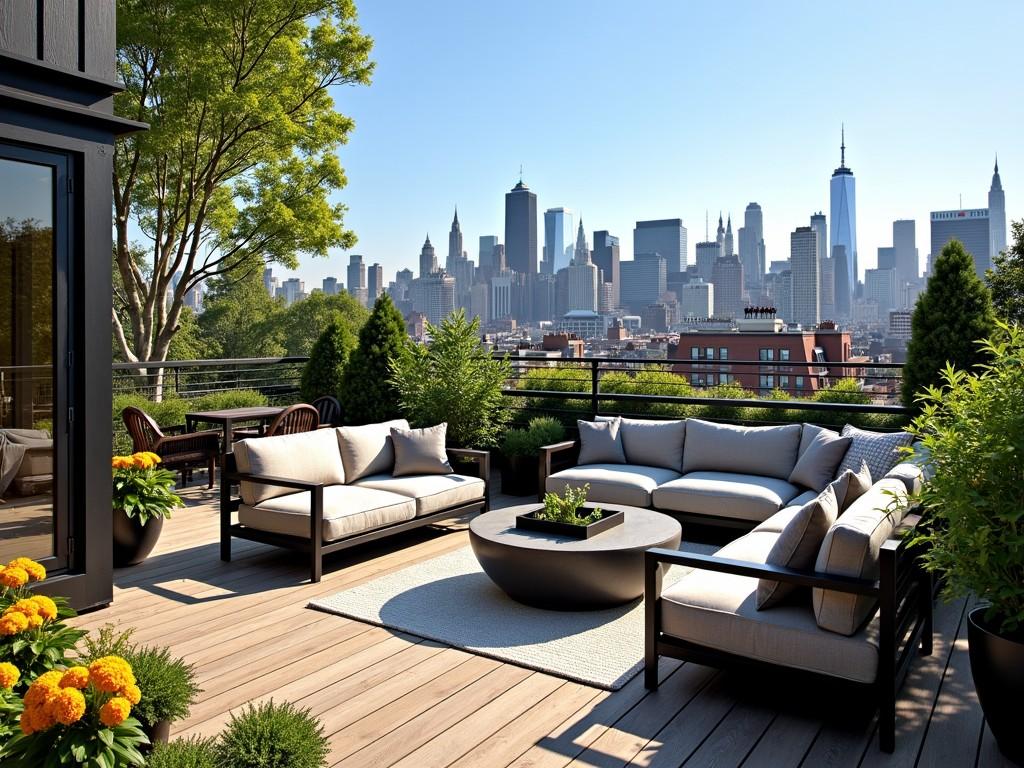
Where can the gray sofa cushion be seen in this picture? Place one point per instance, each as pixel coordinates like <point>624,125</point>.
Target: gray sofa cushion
<point>652,443</point>
<point>798,544</point>
<point>718,610</point>
<point>601,442</point>
<point>309,456</point>
<point>851,548</point>
<point>910,474</point>
<point>818,458</point>
<point>879,450</point>
<point>725,494</point>
<point>348,510</point>
<point>420,451</point>
<point>368,449</point>
<point>768,451</point>
<point>613,483</point>
<point>850,486</point>
<point>431,492</point>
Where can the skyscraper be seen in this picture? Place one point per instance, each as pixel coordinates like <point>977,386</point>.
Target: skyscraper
<point>751,237</point>
<point>707,254</point>
<point>843,198</point>
<point>644,279</point>
<point>606,258</point>
<point>330,286</point>
<point>880,287</point>
<point>806,276</point>
<point>728,237</point>
<point>374,283</point>
<point>727,277</point>
<point>583,277</point>
<point>558,240</point>
<point>664,236</point>
<point>434,296</point>
<point>996,216</point>
<point>697,299</point>
<point>428,259</point>
<point>357,278</point>
<point>826,268</point>
<point>971,227</point>
<point>720,235</point>
<point>905,258</point>
<point>521,229</point>
<point>454,240</point>
<point>485,258</point>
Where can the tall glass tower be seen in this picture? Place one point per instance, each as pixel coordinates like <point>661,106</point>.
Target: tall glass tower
<point>558,239</point>
<point>843,194</point>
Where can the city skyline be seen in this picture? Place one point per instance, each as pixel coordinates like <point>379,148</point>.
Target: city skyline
<point>647,157</point>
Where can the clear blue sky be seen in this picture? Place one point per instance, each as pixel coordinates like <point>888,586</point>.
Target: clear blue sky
<point>655,109</point>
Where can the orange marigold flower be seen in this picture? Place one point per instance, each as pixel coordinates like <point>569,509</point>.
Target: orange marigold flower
<point>46,607</point>
<point>43,689</point>
<point>40,717</point>
<point>13,623</point>
<point>75,677</point>
<point>35,571</point>
<point>25,721</point>
<point>25,606</point>
<point>132,693</point>
<point>9,675</point>
<point>153,458</point>
<point>122,462</point>
<point>35,621</point>
<point>142,459</point>
<point>68,706</point>
<point>13,577</point>
<point>115,711</point>
<point>111,674</point>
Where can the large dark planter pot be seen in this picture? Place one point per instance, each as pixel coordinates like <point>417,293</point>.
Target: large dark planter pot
<point>519,476</point>
<point>133,541</point>
<point>159,732</point>
<point>997,664</point>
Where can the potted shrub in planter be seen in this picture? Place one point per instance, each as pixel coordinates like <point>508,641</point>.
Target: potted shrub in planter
<point>521,447</point>
<point>972,431</point>
<point>143,497</point>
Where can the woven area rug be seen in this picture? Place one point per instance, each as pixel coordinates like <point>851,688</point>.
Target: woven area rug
<point>451,600</point>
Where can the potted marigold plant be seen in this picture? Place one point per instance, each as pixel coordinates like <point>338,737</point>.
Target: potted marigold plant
<point>79,716</point>
<point>143,497</point>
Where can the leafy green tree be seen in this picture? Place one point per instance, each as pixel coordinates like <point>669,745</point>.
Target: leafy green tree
<point>239,163</point>
<point>951,317</point>
<point>240,319</point>
<point>1006,281</point>
<point>454,379</point>
<point>322,374</point>
<point>367,394</point>
<point>302,323</point>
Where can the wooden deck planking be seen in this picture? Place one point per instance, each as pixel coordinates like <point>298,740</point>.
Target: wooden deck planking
<point>387,698</point>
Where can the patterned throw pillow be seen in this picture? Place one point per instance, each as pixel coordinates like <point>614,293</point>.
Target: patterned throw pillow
<point>879,450</point>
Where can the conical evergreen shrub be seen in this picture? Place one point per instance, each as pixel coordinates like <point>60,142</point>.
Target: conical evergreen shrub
<point>367,394</point>
<point>326,366</point>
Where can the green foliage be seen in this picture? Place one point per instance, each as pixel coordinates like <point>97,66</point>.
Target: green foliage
<point>1006,281</point>
<point>843,391</point>
<point>567,378</point>
<point>950,317</point>
<point>565,509</point>
<point>185,753</point>
<point>972,429</point>
<point>142,489</point>
<point>240,319</point>
<point>87,743</point>
<point>326,364</point>
<point>367,395</point>
<point>40,649</point>
<point>168,412</point>
<point>273,736</point>
<point>541,431</point>
<point>304,322</point>
<point>231,398</point>
<point>240,163</point>
<point>11,707</point>
<point>167,683</point>
<point>454,379</point>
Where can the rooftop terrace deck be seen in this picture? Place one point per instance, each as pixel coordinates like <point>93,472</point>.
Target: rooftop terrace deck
<point>388,698</point>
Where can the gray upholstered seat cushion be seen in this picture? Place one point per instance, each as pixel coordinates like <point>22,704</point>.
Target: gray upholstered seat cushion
<point>348,510</point>
<point>628,484</point>
<point>368,450</point>
<point>652,443</point>
<point>309,456</point>
<point>910,474</point>
<point>768,451</point>
<point>431,492</point>
<point>718,610</point>
<point>725,494</point>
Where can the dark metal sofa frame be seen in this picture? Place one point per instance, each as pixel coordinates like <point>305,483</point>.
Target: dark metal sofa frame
<point>315,546</point>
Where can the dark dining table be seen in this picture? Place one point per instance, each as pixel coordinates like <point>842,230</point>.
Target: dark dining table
<point>228,418</point>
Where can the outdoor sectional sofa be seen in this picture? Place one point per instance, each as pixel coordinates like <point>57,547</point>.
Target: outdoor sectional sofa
<point>330,489</point>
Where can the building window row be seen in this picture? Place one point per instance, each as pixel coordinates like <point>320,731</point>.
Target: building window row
<point>768,354</point>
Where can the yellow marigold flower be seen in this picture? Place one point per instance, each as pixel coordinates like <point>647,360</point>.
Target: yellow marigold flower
<point>142,459</point>
<point>75,677</point>
<point>35,571</point>
<point>111,674</point>
<point>35,621</point>
<point>132,693</point>
<point>68,706</point>
<point>43,689</point>
<point>122,462</point>
<point>13,623</point>
<point>46,607</point>
<point>9,675</point>
<point>25,606</point>
<point>13,576</point>
<point>153,458</point>
<point>115,711</point>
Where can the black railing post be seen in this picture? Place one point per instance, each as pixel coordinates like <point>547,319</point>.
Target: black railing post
<point>593,387</point>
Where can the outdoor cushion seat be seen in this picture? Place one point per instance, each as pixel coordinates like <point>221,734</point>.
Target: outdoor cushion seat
<point>780,519</point>
<point>725,494</point>
<point>629,484</point>
<point>431,492</point>
<point>348,510</point>
<point>719,610</point>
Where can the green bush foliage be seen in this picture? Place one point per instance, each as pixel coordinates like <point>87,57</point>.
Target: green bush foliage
<point>231,398</point>
<point>565,508</point>
<point>454,379</point>
<point>541,431</point>
<point>323,373</point>
<point>273,736</point>
<point>366,392</point>
<point>972,429</point>
<point>185,753</point>
<point>1006,279</point>
<point>950,318</point>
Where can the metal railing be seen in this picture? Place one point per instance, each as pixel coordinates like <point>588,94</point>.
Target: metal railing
<point>275,377</point>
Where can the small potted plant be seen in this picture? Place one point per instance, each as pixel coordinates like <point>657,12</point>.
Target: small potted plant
<point>972,433</point>
<point>143,497</point>
<point>569,515</point>
<point>521,447</point>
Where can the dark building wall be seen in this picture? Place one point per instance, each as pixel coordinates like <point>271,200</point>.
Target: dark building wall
<point>521,230</point>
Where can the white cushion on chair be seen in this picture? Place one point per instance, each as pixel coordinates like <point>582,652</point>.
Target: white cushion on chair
<point>312,457</point>
<point>725,494</point>
<point>432,493</point>
<point>368,449</point>
<point>627,484</point>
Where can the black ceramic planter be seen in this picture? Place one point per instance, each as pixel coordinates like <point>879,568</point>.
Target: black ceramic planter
<point>997,665</point>
<point>133,541</point>
<point>519,476</point>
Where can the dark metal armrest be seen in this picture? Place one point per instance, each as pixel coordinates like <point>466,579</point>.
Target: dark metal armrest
<point>283,482</point>
<point>549,455</point>
<point>565,445</point>
<point>760,570</point>
<point>481,458</point>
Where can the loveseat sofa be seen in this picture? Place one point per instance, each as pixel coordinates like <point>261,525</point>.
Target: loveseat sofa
<point>326,490</point>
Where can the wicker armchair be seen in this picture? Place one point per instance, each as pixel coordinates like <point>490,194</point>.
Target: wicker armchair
<point>329,410</point>
<point>180,451</point>
<point>294,419</point>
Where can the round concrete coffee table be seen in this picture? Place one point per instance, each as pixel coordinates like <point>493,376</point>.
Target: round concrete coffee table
<point>559,573</point>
